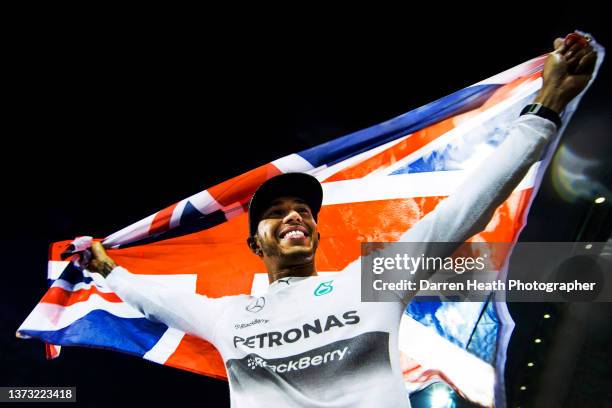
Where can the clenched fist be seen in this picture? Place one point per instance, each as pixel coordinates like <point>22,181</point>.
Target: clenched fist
<point>100,261</point>
<point>567,71</point>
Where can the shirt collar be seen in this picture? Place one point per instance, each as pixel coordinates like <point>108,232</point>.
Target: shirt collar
<point>283,283</point>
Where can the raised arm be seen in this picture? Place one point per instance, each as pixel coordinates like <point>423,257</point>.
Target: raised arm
<point>567,71</point>
<point>467,211</point>
<point>188,312</point>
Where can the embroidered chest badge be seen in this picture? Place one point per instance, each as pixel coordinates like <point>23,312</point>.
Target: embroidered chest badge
<point>324,288</point>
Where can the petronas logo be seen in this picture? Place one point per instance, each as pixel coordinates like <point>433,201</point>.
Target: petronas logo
<point>324,288</point>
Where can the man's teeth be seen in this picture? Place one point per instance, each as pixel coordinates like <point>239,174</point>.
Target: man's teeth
<point>296,233</point>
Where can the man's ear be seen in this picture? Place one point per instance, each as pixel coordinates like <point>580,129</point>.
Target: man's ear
<point>254,245</point>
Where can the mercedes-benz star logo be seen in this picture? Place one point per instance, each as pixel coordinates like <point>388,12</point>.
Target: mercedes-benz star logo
<point>256,305</point>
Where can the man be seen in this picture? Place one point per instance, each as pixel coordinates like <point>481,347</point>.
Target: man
<point>310,341</point>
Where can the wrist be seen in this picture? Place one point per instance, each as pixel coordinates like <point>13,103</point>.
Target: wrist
<point>107,267</point>
<point>542,111</point>
<point>551,100</point>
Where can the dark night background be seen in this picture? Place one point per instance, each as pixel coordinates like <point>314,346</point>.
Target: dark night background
<point>110,127</point>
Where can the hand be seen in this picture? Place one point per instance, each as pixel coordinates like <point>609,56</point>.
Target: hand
<point>100,261</point>
<point>567,71</point>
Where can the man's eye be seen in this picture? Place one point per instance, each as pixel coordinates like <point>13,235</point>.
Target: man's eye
<point>304,210</point>
<point>274,213</point>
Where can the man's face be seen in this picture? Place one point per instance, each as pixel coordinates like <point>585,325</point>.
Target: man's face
<point>287,230</point>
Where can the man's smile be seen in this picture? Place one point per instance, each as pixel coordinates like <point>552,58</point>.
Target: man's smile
<point>293,233</point>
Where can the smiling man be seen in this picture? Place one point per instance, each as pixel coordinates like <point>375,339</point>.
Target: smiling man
<point>283,225</point>
<point>310,341</point>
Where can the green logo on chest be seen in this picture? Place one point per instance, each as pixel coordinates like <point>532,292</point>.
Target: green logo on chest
<point>324,288</point>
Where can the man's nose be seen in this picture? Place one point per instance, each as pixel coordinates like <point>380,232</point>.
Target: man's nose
<point>292,216</point>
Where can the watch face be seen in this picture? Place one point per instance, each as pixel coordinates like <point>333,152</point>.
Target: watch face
<point>532,108</point>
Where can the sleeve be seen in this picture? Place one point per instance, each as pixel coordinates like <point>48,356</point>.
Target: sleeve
<point>189,312</point>
<point>469,209</point>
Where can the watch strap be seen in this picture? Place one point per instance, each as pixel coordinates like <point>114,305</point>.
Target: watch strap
<point>542,111</point>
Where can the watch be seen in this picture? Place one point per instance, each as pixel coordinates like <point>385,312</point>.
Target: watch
<point>542,111</point>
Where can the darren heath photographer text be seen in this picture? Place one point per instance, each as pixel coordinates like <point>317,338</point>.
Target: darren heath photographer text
<point>475,285</point>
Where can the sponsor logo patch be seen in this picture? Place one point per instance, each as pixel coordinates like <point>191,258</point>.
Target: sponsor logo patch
<point>251,323</point>
<point>298,364</point>
<point>276,338</point>
<point>324,288</point>
<point>256,305</point>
